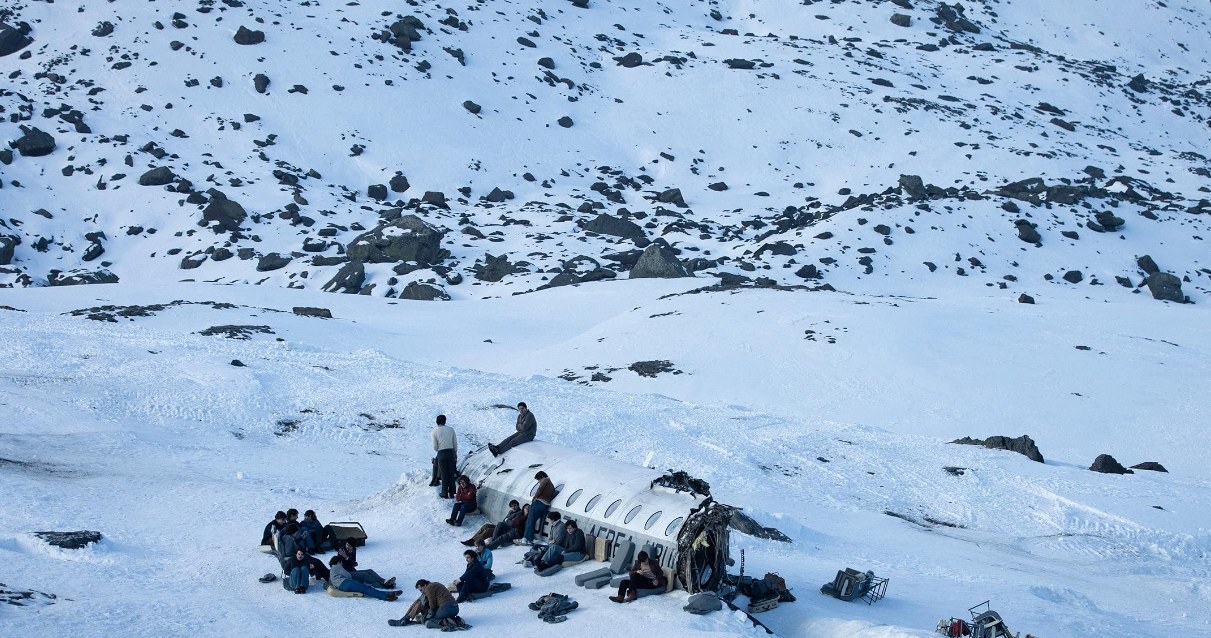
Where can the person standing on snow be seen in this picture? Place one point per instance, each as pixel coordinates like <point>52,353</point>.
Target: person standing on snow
<point>527,427</point>
<point>445,442</point>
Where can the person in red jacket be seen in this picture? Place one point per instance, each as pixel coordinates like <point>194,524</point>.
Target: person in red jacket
<point>464,501</point>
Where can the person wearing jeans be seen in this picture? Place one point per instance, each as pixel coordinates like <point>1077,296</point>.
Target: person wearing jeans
<point>464,501</point>
<point>345,581</point>
<point>438,599</point>
<point>538,509</point>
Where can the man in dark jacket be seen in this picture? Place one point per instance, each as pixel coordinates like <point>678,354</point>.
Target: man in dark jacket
<point>274,526</point>
<point>474,580</point>
<point>646,573</point>
<point>527,427</point>
<point>570,547</point>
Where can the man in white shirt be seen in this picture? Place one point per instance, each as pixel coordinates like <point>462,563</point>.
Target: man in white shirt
<point>445,443</point>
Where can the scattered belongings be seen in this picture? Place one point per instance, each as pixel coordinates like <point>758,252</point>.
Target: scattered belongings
<point>763,593</point>
<point>703,603</point>
<point>984,623</point>
<point>268,578</point>
<point>553,607</point>
<point>851,584</point>
<point>493,589</point>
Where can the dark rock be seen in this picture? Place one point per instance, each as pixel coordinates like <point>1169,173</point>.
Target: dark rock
<point>565,122</point>
<point>882,229</point>
<point>777,248</point>
<point>546,63</point>
<point>497,195</point>
<point>494,268</point>
<point>260,82</point>
<point>913,186</point>
<point>1027,232</point>
<point>658,261</point>
<point>1152,466</point>
<point>472,107</point>
<point>606,224</point>
<point>1073,276</point>
<point>377,192</point>
<point>93,251</point>
<point>192,261</point>
<point>12,40</point>
<point>1109,221</point>
<point>103,29</point>
<point>437,198</point>
<point>1166,287</point>
<point>237,363</point>
<point>35,142</point>
<point>1148,265</point>
<point>417,291</point>
<point>1023,445</point>
<point>226,214</point>
<point>739,63</point>
<point>652,368</point>
<point>272,261</point>
<point>399,183</point>
<point>81,278</point>
<point>1025,298</point>
<point>630,60</point>
<point>70,540</point>
<point>247,36</point>
<point>221,254</point>
<point>1070,234</point>
<point>952,18</point>
<point>1106,464</point>
<point>810,271</point>
<point>348,279</point>
<point>8,247</point>
<point>159,176</point>
<point>718,186</point>
<point>672,196</point>
<point>1139,84</point>
<point>307,311</point>
<point>901,20</point>
<point>408,238</point>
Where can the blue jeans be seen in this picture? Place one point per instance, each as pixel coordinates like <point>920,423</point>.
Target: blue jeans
<point>538,510</point>
<point>299,577</point>
<point>448,610</point>
<point>460,510</point>
<point>352,585</point>
<point>554,555</point>
<point>369,577</point>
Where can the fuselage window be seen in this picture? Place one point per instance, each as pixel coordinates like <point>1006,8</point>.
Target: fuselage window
<point>613,506</point>
<point>572,499</point>
<point>593,501</point>
<point>631,514</point>
<point>652,520</point>
<point>673,526</point>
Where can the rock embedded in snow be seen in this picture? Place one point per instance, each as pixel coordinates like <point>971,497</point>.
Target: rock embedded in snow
<point>565,122</point>
<point>408,238</point>
<point>1148,265</point>
<point>607,224</point>
<point>398,183</point>
<point>417,291</point>
<point>227,215</point>
<point>309,311</point>
<point>260,82</point>
<point>377,192</point>
<point>1166,287</point>
<point>349,279</point>
<point>1074,277</point>
<point>658,262</point>
<point>81,277</point>
<point>1023,445</point>
<point>70,540</point>
<point>248,36</point>
<point>901,20</point>
<point>472,107</point>
<point>1106,464</point>
<point>12,39</point>
<point>1025,298</point>
<point>1027,232</point>
<point>34,142</point>
<point>272,261</point>
<point>1152,466</point>
<point>158,176</point>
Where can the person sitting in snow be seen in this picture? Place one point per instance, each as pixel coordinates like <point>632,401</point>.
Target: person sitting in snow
<point>348,555</point>
<point>298,576</point>
<point>313,536</point>
<point>490,530</point>
<point>365,582</point>
<point>485,556</point>
<point>474,580</point>
<point>645,574</point>
<point>464,501</point>
<point>571,546</point>
<point>515,528</point>
<point>439,601</point>
<point>526,426</point>
<point>272,529</point>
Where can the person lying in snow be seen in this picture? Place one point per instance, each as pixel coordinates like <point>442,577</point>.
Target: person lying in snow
<point>645,574</point>
<point>490,530</point>
<point>474,580</point>
<point>464,501</point>
<point>513,531</point>
<point>272,529</point>
<point>365,582</point>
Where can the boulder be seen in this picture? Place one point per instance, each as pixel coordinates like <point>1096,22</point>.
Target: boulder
<point>1025,298</point>
<point>472,107</point>
<point>35,142</point>
<point>1106,464</point>
<point>1152,466</point>
<point>192,261</point>
<point>248,36</point>
<point>272,261</point>
<point>8,247</point>
<point>260,82</point>
<point>159,176</point>
<point>1023,445</point>
<point>408,238</point>
<point>417,291</point>
<point>672,196</point>
<point>1166,287</point>
<point>70,540</point>
<point>348,279</point>
<point>1027,232</point>
<point>377,192</point>
<point>630,60</point>
<point>606,224</point>
<point>307,311</point>
<point>1073,277</point>
<point>658,261</point>
<point>913,186</point>
<point>901,20</point>
<point>494,268</point>
<point>1148,265</point>
<point>81,277</point>
<point>437,198</point>
<point>226,214</point>
<point>399,183</point>
<point>12,40</point>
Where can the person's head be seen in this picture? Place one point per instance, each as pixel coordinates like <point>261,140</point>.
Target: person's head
<point>513,504</point>
<point>641,556</point>
<point>480,545</point>
<point>292,527</point>
<point>521,407</point>
<point>280,517</point>
<point>441,419</point>
<point>553,516</point>
<point>420,584</point>
<point>571,525</point>
<point>309,515</point>
<point>334,560</point>
<point>525,509</point>
<point>540,475</point>
<point>349,546</point>
<point>463,480</point>
<point>299,554</point>
<point>292,514</point>
<point>470,555</point>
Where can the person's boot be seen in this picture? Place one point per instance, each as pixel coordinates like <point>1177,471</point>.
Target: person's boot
<point>389,583</point>
<point>493,449</point>
<point>392,597</point>
<point>468,542</point>
<point>617,599</point>
<point>632,597</point>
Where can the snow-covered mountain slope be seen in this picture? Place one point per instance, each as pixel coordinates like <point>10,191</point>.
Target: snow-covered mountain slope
<point>142,428</point>
<point>872,146</point>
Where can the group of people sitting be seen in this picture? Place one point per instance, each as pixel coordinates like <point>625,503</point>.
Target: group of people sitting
<point>295,543</point>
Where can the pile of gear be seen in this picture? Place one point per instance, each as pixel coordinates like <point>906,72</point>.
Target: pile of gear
<point>553,607</point>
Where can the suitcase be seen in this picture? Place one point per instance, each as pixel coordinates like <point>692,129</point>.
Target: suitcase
<point>347,531</point>
<point>601,549</point>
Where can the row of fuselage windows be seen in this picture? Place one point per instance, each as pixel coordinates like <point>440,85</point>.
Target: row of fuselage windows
<point>592,503</point>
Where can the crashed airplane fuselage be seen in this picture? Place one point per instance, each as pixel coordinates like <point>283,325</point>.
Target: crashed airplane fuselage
<point>685,529</point>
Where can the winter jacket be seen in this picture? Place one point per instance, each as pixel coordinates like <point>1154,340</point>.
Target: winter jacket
<point>465,494</point>
<point>527,425</point>
<point>651,570</point>
<point>518,524</point>
<point>485,558</point>
<point>313,529</point>
<point>348,558</point>
<point>270,530</point>
<point>545,491</point>
<point>436,595</point>
<point>574,542</point>
<point>443,438</point>
<point>475,578</point>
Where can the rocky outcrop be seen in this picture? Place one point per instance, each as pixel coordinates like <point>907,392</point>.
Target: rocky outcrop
<point>418,291</point>
<point>81,277</point>
<point>70,540</point>
<point>225,215</point>
<point>606,224</point>
<point>408,238</point>
<point>1106,464</point>
<point>658,261</point>
<point>13,39</point>
<point>34,143</point>
<point>158,176</point>
<point>1023,445</point>
<point>348,279</point>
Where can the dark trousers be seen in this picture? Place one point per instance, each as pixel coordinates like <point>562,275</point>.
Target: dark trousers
<point>318,568</point>
<point>446,466</point>
<point>513,440</point>
<point>634,584</point>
